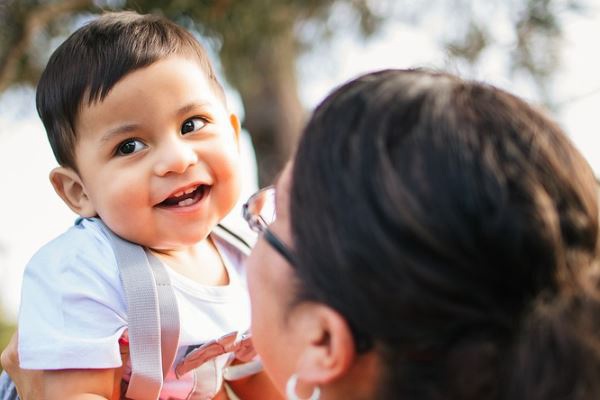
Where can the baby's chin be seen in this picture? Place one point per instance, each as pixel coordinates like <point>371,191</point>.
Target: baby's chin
<point>177,244</point>
<point>164,238</point>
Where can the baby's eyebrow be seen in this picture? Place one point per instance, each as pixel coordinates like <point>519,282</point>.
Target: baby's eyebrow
<point>119,130</point>
<point>190,106</point>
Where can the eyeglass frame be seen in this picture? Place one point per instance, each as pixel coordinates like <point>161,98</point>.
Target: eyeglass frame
<point>363,341</point>
<point>259,225</point>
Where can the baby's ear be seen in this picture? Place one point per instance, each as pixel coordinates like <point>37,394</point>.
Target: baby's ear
<point>70,188</point>
<point>235,125</point>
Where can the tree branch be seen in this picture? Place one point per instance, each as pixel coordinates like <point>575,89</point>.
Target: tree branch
<point>35,20</point>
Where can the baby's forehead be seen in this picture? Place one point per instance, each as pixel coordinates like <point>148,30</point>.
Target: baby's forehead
<point>100,83</point>
<point>142,78</point>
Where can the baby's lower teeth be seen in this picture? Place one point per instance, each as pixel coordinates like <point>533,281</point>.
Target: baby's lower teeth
<point>185,202</point>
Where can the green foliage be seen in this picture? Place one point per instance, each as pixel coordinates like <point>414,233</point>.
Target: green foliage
<point>533,47</point>
<point>258,42</point>
<point>6,331</point>
<point>245,28</point>
<point>471,45</point>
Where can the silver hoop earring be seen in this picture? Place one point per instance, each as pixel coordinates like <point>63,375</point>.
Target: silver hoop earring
<point>290,390</point>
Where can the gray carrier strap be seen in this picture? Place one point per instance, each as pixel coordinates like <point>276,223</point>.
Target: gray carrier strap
<point>153,320</point>
<point>242,244</point>
<point>169,314</point>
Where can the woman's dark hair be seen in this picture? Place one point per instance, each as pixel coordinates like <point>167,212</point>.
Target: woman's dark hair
<point>456,226</point>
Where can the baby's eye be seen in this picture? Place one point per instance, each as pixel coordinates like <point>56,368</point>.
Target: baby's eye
<point>192,125</point>
<point>130,146</point>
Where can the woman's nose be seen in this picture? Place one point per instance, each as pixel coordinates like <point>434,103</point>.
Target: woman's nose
<point>175,156</point>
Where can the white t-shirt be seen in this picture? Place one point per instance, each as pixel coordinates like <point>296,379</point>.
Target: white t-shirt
<point>73,309</point>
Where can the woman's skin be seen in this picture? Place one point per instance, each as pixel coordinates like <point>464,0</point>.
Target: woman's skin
<point>28,382</point>
<point>309,339</point>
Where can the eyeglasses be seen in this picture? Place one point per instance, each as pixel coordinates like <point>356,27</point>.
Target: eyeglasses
<point>259,212</point>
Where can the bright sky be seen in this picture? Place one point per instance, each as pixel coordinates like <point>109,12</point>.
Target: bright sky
<point>31,214</point>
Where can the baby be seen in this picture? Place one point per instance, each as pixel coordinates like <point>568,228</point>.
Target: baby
<point>147,147</point>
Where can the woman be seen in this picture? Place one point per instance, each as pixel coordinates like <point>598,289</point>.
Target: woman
<point>440,236</point>
<point>434,240</point>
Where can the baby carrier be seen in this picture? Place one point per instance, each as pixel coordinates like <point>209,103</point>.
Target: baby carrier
<point>153,326</point>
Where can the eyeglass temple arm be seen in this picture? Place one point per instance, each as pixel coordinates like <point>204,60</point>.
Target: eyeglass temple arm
<point>280,247</point>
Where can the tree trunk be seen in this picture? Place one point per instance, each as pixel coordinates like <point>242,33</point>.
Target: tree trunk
<point>34,20</point>
<point>274,115</point>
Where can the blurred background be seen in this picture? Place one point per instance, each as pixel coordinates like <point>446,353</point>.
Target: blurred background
<point>277,59</point>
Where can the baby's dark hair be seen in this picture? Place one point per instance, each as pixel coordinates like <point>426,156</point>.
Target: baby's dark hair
<point>94,58</point>
<point>456,227</point>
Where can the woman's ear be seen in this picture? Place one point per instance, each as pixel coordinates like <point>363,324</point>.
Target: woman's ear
<point>329,352</point>
<point>70,188</point>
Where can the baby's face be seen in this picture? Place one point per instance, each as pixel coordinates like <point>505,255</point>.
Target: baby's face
<point>158,157</point>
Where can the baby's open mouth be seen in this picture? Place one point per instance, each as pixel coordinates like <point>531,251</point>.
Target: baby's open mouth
<point>187,197</point>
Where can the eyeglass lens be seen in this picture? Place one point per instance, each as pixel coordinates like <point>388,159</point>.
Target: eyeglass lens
<point>263,206</point>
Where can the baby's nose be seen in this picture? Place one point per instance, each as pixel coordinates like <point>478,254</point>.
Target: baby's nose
<point>175,157</point>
